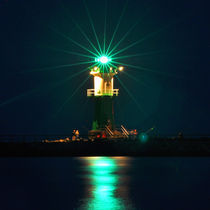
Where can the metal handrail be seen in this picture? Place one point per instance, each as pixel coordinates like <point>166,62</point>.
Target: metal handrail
<point>124,131</point>
<point>109,131</point>
<point>114,92</point>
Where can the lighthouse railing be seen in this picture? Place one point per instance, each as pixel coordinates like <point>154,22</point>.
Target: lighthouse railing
<point>93,92</point>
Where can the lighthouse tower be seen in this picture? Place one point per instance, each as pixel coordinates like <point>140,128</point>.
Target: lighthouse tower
<point>103,95</point>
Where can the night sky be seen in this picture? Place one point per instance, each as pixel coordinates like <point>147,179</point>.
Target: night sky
<point>172,95</point>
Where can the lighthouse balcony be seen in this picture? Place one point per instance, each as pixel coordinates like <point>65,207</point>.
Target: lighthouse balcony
<point>93,92</point>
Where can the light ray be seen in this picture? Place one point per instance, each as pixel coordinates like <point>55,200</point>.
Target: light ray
<point>80,86</point>
<point>118,24</point>
<point>140,54</point>
<point>92,25</point>
<point>105,20</point>
<point>135,43</point>
<point>84,34</point>
<point>73,41</point>
<point>146,69</point>
<point>64,51</point>
<point>40,89</point>
<point>132,97</point>
<point>80,28</point>
<point>128,32</point>
<point>157,72</point>
<point>112,65</point>
<point>137,80</point>
<point>15,98</point>
<point>144,38</point>
<point>108,66</point>
<point>122,39</point>
<point>132,77</point>
<point>55,67</point>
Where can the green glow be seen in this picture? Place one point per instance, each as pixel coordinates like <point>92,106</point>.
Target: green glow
<point>95,70</point>
<point>143,137</point>
<point>104,181</point>
<point>103,59</point>
<point>103,69</point>
<point>103,163</point>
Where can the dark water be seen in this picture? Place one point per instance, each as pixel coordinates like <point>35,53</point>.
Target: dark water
<point>104,183</point>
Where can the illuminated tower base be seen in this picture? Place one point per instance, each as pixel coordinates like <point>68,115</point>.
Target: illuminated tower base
<point>103,113</point>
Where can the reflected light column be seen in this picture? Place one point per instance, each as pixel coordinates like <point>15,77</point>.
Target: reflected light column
<point>104,181</point>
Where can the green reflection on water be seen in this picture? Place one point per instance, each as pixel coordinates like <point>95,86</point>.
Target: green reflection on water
<point>104,181</point>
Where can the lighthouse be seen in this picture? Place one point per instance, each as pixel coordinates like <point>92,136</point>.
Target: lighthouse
<point>103,94</point>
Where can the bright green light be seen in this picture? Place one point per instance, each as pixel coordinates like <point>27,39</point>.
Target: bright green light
<point>103,59</point>
<point>103,175</point>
